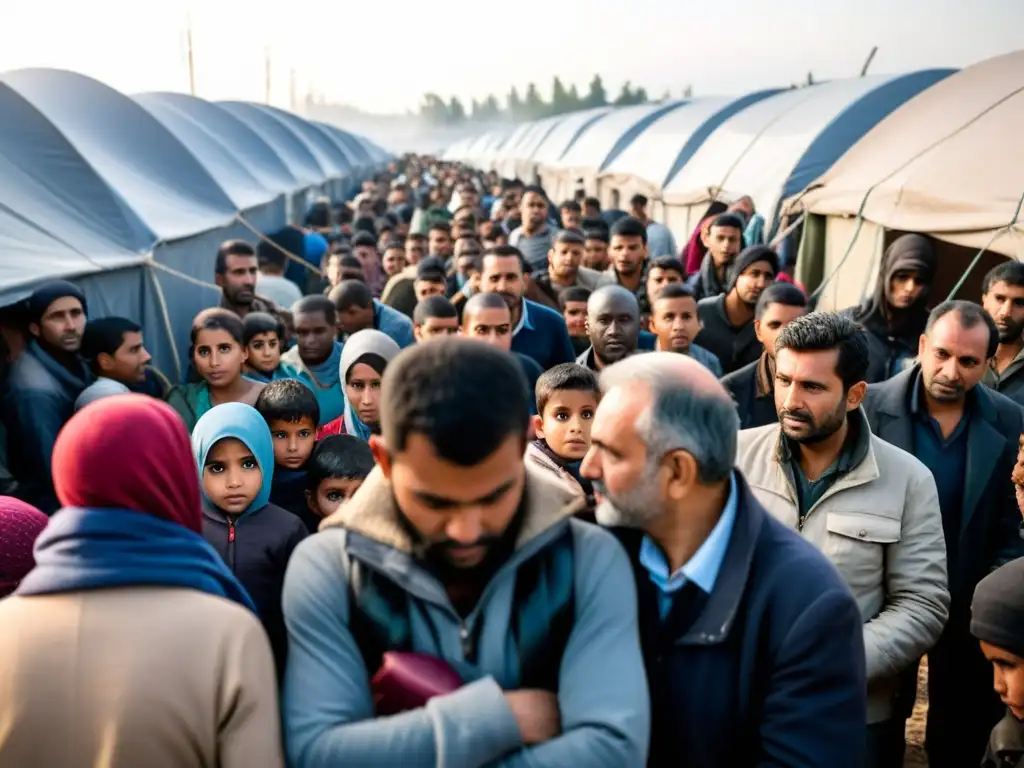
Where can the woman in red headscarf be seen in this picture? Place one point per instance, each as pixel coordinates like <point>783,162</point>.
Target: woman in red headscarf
<point>130,628</point>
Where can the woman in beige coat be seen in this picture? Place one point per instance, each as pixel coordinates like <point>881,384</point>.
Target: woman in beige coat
<point>131,645</point>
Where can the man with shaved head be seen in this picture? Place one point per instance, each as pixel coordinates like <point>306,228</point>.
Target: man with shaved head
<point>751,640</point>
<point>487,318</point>
<point>613,325</point>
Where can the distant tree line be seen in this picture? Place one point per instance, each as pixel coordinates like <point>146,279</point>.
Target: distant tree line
<point>531,105</point>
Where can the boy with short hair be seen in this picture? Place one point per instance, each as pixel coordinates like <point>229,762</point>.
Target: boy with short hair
<point>674,320</point>
<point>567,398</point>
<point>264,337</point>
<point>394,258</point>
<point>595,248</point>
<point>292,413</point>
<point>573,303</point>
<point>338,466</point>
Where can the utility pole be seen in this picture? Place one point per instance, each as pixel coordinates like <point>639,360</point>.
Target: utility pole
<point>871,57</point>
<point>291,92</point>
<point>191,59</point>
<point>266,93</point>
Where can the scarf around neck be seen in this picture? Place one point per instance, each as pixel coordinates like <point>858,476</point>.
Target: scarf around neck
<point>85,549</point>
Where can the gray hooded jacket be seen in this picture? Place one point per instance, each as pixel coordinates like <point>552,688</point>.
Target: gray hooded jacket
<point>328,708</point>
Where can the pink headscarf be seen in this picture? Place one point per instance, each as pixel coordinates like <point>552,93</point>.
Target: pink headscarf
<point>20,524</point>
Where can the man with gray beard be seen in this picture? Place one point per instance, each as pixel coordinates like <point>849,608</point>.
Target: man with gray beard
<point>751,641</point>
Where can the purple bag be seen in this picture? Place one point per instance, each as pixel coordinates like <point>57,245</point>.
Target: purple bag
<point>409,680</point>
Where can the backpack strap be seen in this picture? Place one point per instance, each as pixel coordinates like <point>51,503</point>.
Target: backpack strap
<point>543,612</point>
<point>378,615</point>
<point>542,617</point>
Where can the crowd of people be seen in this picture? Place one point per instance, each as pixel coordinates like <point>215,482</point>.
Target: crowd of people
<point>461,477</point>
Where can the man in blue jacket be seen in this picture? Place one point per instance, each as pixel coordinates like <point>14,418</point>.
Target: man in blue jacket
<point>454,549</point>
<point>537,331</point>
<point>752,642</point>
<point>44,383</point>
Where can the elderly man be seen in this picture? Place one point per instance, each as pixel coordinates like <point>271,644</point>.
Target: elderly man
<point>751,640</point>
<point>872,508</point>
<point>966,434</point>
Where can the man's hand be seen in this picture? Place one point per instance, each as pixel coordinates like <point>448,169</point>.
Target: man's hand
<point>537,714</point>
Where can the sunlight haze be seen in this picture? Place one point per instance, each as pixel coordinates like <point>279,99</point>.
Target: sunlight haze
<point>382,57</point>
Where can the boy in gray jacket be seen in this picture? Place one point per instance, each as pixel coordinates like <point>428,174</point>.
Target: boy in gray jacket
<point>453,548</point>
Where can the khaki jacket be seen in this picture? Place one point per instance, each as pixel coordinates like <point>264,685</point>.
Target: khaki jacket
<point>141,677</point>
<point>536,459</point>
<point>881,527</point>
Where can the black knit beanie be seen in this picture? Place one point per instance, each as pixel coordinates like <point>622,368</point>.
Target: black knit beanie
<point>749,256</point>
<point>997,611</point>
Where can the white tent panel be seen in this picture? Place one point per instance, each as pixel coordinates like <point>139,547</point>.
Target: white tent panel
<point>653,153</point>
<point>563,135</point>
<point>592,148</point>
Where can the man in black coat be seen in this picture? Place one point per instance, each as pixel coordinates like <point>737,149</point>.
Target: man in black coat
<point>967,436</point>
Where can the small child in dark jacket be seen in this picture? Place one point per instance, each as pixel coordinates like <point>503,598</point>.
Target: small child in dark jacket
<point>235,458</point>
<point>567,397</point>
<point>997,620</point>
<point>292,414</point>
<point>338,466</point>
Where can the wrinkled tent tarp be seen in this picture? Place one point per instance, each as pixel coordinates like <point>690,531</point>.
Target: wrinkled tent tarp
<point>657,154</point>
<point>949,164</point>
<point>131,198</point>
<point>777,146</point>
<point>599,144</point>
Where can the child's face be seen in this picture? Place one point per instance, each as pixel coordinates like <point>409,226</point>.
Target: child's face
<point>675,322</point>
<point>566,422</point>
<point>1008,677</point>
<point>575,315</point>
<point>265,352</point>
<point>293,441</point>
<point>331,494</point>
<point>231,476</point>
<point>394,261</point>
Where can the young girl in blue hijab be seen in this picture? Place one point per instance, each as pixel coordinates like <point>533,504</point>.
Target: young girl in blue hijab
<point>234,455</point>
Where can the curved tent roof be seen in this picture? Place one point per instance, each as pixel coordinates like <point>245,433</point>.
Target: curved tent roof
<point>609,136</point>
<point>510,149</point>
<point>130,150</point>
<point>45,180</point>
<point>289,147</point>
<point>231,173</point>
<point>457,150</point>
<point>541,130</point>
<point>950,163</point>
<point>332,161</point>
<point>565,133</point>
<point>776,147</point>
<point>352,144</point>
<point>351,157</point>
<point>257,156</point>
<point>658,153</point>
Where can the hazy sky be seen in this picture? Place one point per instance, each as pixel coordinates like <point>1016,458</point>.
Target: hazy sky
<point>382,56</point>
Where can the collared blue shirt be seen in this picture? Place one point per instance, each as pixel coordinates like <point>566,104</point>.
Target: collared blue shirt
<point>524,320</point>
<point>702,569</point>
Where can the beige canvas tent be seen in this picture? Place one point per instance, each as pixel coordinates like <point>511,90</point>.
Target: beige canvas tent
<point>949,164</point>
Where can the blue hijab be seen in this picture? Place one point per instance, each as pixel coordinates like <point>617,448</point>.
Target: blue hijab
<point>241,422</point>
